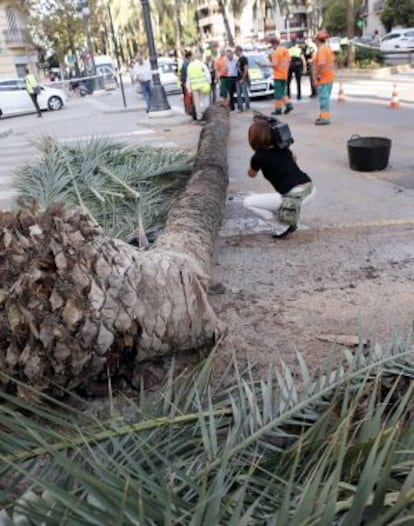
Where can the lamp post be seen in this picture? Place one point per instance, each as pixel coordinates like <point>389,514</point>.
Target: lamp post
<point>159,105</point>
<point>84,11</point>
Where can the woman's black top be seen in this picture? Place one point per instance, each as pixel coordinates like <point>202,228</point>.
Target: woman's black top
<point>279,168</point>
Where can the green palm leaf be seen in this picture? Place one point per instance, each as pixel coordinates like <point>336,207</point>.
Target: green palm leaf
<point>337,449</point>
<point>125,189</point>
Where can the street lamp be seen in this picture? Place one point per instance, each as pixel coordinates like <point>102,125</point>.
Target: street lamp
<point>159,103</point>
<point>84,11</point>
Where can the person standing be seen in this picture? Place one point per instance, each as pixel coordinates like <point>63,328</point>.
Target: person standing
<point>310,51</point>
<point>323,70</point>
<point>33,89</point>
<point>232,75</point>
<point>280,62</point>
<point>296,68</point>
<point>142,74</point>
<point>182,76</point>
<point>220,69</point>
<point>278,165</point>
<point>242,83</point>
<point>209,62</point>
<point>199,85</point>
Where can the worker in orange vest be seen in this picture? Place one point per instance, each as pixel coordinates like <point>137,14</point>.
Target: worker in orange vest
<point>221,72</point>
<point>280,62</point>
<point>323,71</point>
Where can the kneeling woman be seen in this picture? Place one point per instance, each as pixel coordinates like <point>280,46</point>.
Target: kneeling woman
<point>293,187</point>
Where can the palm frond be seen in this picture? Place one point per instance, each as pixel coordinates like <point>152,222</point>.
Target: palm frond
<point>125,189</point>
<point>337,449</point>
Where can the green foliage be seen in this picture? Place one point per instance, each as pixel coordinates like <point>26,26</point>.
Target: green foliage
<point>117,185</point>
<point>368,57</point>
<point>334,450</point>
<point>334,16</point>
<point>398,12</point>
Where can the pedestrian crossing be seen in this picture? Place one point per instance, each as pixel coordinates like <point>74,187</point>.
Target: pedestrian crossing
<point>16,151</point>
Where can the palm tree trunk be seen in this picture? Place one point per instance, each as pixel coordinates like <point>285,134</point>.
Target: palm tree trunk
<point>75,304</point>
<point>230,39</point>
<point>178,28</point>
<point>350,32</point>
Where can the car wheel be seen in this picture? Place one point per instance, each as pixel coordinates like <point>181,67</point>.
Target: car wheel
<point>55,103</point>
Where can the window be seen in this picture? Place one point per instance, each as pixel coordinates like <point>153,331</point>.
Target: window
<point>391,37</point>
<point>11,20</point>
<point>21,70</point>
<point>8,85</point>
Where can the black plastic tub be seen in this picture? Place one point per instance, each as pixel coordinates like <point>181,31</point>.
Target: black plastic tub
<point>368,154</point>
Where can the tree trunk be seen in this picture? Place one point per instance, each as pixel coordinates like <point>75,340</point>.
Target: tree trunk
<point>350,33</point>
<point>75,304</point>
<point>230,39</point>
<point>178,28</point>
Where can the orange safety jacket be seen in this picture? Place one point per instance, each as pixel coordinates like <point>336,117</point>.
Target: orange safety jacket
<point>220,67</point>
<point>323,65</point>
<point>280,60</point>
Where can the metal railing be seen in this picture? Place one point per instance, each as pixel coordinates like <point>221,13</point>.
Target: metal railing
<point>17,37</point>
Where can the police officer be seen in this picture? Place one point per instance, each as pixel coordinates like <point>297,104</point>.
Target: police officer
<point>296,68</point>
<point>33,90</point>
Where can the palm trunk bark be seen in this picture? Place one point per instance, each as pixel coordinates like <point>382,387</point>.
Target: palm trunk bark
<point>75,304</point>
<point>350,60</point>
<point>230,39</point>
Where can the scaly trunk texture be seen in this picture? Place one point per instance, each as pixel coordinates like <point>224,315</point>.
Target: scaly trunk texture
<point>75,304</point>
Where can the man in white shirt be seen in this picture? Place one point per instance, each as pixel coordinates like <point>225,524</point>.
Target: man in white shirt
<point>142,74</point>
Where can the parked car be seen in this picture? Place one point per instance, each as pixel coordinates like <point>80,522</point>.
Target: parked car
<point>168,75</point>
<point>261,77</point>
<point>402,39</point>
<point>167,68</point>
<point>15,100</point>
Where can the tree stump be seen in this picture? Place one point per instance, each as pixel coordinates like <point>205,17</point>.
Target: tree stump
<point>76,305</point>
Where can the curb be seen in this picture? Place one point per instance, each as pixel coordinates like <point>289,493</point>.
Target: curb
<point>372,73</point>
<point>5,133</point>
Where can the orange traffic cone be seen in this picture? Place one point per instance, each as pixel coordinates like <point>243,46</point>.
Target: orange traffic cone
<point>341,94</point>
<point>395,103</point>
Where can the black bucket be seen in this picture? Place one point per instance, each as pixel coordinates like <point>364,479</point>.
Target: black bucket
<point>368,154</point>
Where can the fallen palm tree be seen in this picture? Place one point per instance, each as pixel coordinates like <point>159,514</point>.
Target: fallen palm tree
<point>76,304</point>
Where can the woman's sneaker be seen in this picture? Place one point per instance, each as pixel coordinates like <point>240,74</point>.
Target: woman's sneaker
<point>290,229</point>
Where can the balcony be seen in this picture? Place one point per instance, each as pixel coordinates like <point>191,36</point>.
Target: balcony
<point>17,38</point>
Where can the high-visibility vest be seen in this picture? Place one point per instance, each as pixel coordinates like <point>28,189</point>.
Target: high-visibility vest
<point>196,76</point>
<point>324,61</point>
<point>30,82</point>
<point>295,51</point>
<point>281,61</point>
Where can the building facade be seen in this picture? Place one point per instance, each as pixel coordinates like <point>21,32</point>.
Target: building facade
<point>371,13</point>
<point>261,19</point>
<point>16,47</point>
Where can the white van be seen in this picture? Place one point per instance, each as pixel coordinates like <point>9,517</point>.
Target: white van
<point>105,68</point>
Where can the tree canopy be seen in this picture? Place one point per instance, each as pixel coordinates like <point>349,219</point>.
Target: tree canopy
<point>398,12</point>
<point>334,15</point>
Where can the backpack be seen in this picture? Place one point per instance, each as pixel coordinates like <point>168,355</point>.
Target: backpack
<point>289,211</point>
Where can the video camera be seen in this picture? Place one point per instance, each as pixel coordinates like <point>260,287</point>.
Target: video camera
<point>280,130</point>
